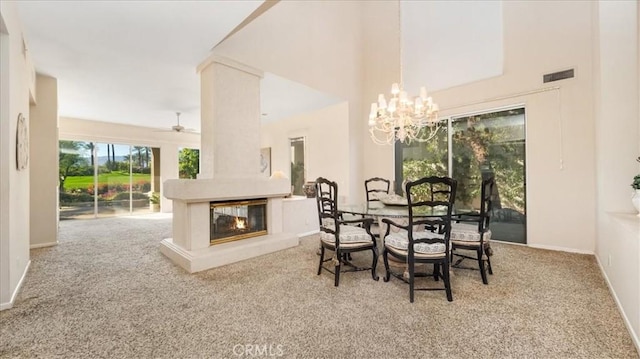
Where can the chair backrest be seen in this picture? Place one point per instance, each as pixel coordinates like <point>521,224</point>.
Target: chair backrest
<point>429,196</point>
<point>327,201</point>
<point>486,202</point>
<point>376,186</point>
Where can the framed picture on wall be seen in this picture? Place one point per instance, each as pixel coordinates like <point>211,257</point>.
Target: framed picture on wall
<point>265,161</point>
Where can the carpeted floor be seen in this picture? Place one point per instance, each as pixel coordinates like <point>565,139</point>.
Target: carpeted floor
<point>107,291</point>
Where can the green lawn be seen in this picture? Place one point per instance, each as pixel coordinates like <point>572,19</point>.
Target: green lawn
<point>112,178</point>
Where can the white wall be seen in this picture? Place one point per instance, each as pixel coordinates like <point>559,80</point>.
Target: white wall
<point>616,39</point>
<point>381,70</point>
<point>326,136</point>
<point>43,157</point>
<point>15,78</point>
<point>318,44</point>
<point>300,216</point>
<point>539,37</point>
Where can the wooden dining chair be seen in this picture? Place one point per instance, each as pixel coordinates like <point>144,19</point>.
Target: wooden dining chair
<point>412,243</point>
<point>471,232</point>
<point>375,187</point>
<point>341,236</point>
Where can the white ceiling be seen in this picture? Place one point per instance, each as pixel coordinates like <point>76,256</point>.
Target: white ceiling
<point>134,62</point>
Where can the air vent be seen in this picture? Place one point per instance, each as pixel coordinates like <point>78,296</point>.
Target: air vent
<point>560,75</point>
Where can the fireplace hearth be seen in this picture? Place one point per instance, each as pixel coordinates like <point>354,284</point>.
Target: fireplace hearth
<point>235,220</point>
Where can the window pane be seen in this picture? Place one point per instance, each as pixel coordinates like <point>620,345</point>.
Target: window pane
<point>76,178</point>
<point>493,144</point>
<point>423,159</point>
<point>297,165</point>
<point>113,179</point>
<point>188,163</point>
<point>141,178</point>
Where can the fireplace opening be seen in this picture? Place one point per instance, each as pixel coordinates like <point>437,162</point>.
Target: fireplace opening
<point>234,220</point>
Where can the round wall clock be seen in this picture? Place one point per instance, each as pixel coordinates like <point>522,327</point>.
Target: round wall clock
<point>22,143</point>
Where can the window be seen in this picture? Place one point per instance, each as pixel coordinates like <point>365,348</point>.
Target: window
<point>469,149</point>
<point>103,179</point>
<point>188,163</point>
<point>297,165</point>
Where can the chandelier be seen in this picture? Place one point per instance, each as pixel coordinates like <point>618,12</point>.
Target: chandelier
<point>402,118</point>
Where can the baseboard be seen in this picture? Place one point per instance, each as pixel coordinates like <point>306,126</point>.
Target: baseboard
<point>627,323</point>
<point>226,253</point>
<point>300,235</point>
<point>561,249</point>
<point>543,246</point>
<point>42,245</point>
<point>9,305</point>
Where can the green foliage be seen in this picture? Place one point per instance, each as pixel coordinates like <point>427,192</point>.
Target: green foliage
<point>189,163</point>
<point>636,182</point>
<point>125,196</point>
<point>70,161</point>
<point>110,179</point>
<point>154,198</point>
<point>483,145</point>
<point>66,198</point>
<point>297,178</point>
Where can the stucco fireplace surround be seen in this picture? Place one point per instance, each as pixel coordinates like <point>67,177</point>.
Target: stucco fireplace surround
<point>229,170</point>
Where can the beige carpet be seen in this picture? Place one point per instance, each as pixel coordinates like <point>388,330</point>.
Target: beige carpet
<point>106,291</point>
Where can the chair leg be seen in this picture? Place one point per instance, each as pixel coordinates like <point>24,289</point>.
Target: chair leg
<point>387,273</point>
<point>447,281</point>
<point>321,259</point>
<point>487,251</point>
<point>483,271</point>
<point>336,270</point>
<point>436,271</point>
<point>374,265</point>
<point>411,279</point>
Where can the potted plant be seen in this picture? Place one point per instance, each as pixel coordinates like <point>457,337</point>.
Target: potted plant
<point>154,201</point>
<point>636,188</point>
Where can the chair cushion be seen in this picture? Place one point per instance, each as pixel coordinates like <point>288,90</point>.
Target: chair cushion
<point>348,234</point>
<point>468,232</point>
<point>400,241</point>
<point>378,195</point>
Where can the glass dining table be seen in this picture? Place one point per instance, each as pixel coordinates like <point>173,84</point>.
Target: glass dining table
<point>397,213</point>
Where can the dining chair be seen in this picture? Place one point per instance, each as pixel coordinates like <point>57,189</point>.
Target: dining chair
<point>375,187</point>
<point>341,236</point>
<point>412,243</point>
<point>471,232</point>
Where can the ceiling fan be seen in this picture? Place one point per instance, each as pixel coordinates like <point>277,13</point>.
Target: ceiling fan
<point>178,127</point>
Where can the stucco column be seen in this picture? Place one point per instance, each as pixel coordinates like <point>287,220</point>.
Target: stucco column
<point>230,119</point>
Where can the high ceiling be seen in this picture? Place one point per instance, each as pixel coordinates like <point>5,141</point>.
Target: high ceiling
<point>134,62</point>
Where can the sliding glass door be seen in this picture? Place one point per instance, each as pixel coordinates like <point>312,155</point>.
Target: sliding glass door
<point>492,144</point>
<point>472,148</point>
<point>104,179</point>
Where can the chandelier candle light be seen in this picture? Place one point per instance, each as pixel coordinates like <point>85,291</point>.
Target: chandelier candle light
<point>402,119</point>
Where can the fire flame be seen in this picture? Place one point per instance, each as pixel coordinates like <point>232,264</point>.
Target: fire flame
<point>240,223</point>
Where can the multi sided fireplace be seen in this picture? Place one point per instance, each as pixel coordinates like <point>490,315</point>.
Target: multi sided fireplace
<point>234,220</point>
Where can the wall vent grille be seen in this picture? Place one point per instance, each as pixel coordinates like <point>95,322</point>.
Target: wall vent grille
<point>560,75</point>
